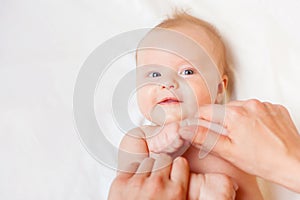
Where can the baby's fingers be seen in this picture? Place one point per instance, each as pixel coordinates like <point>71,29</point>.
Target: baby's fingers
<point>162,143</point>
<point>177,143</point>
<point>174,146</point>
<point>218,186</point>
<point>154,144</point>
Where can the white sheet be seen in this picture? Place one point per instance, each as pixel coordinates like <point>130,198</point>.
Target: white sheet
<point>43,45</point>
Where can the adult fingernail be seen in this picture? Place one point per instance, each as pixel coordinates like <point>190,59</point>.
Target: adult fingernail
<point>235,186</point>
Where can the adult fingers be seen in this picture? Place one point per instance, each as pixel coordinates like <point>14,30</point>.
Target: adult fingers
<point>215,113</point>
<point>195,183</point>
<point>128,171</point>
<point>195,122</point>
<point>145,167</point>
<point>162,166</point>
<point>180,172</point>
<point>206,140</point>
<point>236,103</point>
<point>221,113</point>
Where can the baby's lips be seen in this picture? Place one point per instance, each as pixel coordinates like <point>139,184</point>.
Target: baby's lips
<point>169,100</point>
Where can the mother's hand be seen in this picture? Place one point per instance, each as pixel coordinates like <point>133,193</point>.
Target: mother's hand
<point>152,179</point>
<point>162,179</point>
<point>261,139</point>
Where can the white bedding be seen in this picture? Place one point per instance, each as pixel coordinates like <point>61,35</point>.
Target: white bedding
<point>43,45</point>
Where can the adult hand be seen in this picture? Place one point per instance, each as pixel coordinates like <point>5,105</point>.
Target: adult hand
<point>150,180</point>
<point>261,139</point>
<point>161,179</point>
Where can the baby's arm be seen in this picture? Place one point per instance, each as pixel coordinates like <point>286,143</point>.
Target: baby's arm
<point>133,148</point>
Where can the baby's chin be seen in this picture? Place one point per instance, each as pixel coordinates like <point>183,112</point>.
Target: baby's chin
<point>160,115</point>
<point>171,119</point>
<point>165,119</point>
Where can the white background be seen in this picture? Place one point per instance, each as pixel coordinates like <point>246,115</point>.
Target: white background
<point>44,43</point>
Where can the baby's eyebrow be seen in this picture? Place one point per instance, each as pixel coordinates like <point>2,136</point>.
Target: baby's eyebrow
<point>152,66</point>
<point>148,68</point>
<point>189,62</point>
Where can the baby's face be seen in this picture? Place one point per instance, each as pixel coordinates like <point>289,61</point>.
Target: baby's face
<point>170,88</point>
<point>173,87</point>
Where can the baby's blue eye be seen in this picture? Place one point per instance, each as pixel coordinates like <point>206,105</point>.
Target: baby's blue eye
<point>154,74</point>
<point>187,72</point>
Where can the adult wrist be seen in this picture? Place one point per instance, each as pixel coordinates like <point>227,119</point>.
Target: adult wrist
<point>289,174</point>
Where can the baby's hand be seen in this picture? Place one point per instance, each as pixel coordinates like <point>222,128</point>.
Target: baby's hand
<point>211,186</point>
<point>165,139</point>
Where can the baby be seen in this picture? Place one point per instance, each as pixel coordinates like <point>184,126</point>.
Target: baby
<point>184,70</point>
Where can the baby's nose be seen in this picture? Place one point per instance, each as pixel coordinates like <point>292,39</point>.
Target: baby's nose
<point>169,85</point>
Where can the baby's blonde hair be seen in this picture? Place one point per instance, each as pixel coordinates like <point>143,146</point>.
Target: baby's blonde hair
<point>181,17</point>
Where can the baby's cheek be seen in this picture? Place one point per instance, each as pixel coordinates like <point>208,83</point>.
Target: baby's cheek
<point>144,99</point>
<point>202,95</point>
<point>204,99</point>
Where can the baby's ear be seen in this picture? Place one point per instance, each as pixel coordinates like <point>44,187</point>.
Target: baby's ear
<point>222,90</point>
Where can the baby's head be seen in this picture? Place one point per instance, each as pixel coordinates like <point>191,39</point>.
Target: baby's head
<point>185,68</point>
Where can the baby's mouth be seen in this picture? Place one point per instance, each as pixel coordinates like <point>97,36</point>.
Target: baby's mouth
<point>169,100</point>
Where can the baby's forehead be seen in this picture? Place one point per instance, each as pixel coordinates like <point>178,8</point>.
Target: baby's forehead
<point>161,58</point>
<point>201,35</point>
<point>190,42</point>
